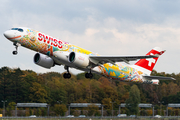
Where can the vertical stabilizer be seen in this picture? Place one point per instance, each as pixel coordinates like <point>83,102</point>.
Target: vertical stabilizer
<point>147,65</point>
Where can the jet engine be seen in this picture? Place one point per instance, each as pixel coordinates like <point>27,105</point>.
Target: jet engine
<point>79,60</point>
<point>155,82</point>
<point>43,60</point>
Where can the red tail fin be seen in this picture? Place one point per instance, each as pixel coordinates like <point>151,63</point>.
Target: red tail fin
<point>147,65</point>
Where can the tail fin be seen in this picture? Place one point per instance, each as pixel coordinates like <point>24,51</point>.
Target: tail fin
<point>147,65</point>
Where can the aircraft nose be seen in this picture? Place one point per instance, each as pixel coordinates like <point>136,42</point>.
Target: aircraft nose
<point>9,34</point>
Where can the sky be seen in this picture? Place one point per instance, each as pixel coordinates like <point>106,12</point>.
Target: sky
<point>106,27</point>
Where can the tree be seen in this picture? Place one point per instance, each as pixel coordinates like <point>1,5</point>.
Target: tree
<point>4,83</point>
<point>16,85</point>
<point>106,102</point>
<point>92,110</point>
<point>38,93</point>
<point>133,101</point>
<point>164,88</point>
<point>27,82</point>
<point>172,88</point>
<point>60,109</point>
<point>11,106</point>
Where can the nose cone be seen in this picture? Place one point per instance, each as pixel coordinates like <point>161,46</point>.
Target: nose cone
<point>9,34</point>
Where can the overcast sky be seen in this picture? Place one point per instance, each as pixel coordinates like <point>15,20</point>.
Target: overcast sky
<point>107,27</point>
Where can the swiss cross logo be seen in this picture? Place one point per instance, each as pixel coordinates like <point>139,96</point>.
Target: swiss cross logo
<point>149,63</point>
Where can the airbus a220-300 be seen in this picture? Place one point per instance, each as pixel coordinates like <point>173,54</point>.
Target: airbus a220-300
<point>52,51</point>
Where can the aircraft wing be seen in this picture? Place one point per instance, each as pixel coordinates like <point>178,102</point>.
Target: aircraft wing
<point>158,77</point>
<point>112,59</point>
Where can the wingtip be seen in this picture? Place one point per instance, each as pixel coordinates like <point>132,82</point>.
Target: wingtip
<point>159,49</point>
<point>171,78</point>
<point>156,55</point>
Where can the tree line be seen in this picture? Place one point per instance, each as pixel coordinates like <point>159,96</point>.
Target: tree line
<point>27,86</point>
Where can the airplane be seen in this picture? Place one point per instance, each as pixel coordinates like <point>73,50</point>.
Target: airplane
<point>52,51</point>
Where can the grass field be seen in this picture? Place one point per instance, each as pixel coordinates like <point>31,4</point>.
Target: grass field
<point>88,119</point>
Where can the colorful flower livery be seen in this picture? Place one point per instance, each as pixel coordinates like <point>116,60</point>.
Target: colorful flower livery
<point>52,51</point>
<point>121,72</point>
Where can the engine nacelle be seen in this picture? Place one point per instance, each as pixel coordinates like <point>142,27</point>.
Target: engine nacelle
<point>155,82</point>
<point>61,56</point>
<point>78,59</point>
<point>43,60</point>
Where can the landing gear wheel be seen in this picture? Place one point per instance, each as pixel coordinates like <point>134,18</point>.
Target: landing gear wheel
<point>67,75</point>
<point>14,52</point>
<point>89,75</point>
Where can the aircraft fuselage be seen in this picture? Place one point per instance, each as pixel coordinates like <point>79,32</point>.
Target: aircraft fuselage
<point>59,51</point>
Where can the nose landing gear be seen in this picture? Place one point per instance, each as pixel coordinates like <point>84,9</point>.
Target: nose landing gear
<point>16,46</point>
<point>14,52</point>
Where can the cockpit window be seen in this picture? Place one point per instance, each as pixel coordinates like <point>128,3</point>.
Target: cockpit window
<point>14,29</point>
<point>19,29</point>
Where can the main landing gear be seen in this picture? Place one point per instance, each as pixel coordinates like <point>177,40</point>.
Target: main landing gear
<point>67,75</point>
<point>89,75</point>
<point>16,46</point>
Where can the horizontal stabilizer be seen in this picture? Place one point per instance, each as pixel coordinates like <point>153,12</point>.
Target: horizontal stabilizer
<point>158,77</point>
